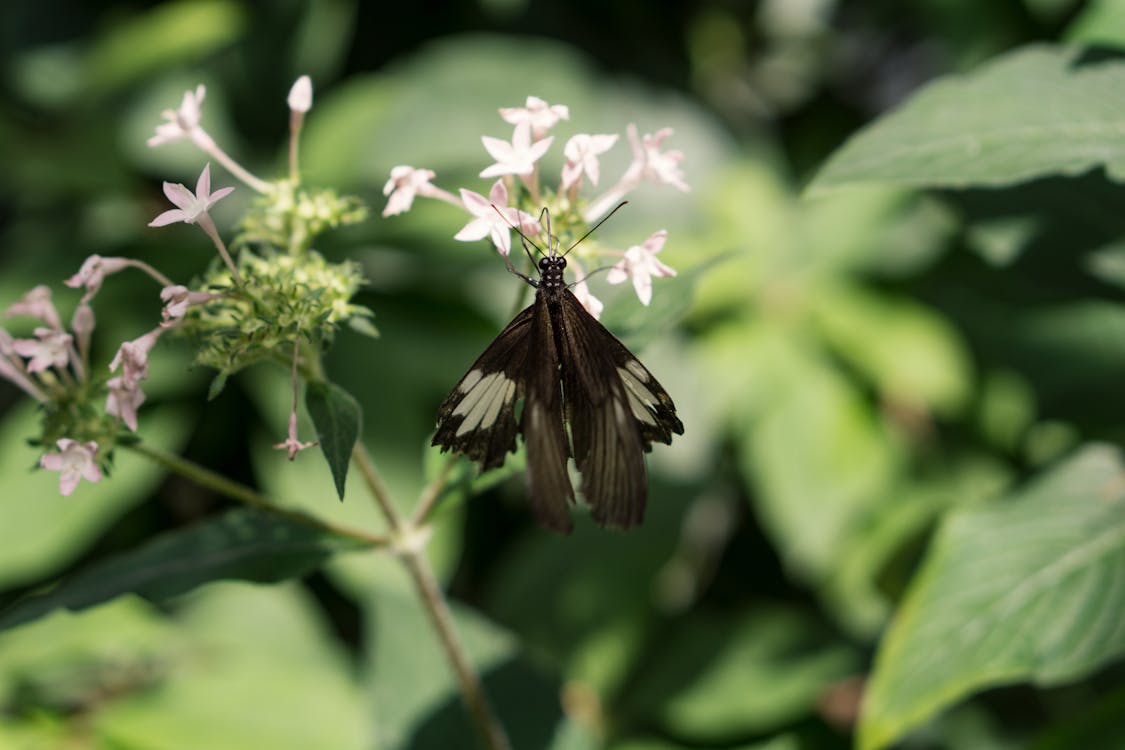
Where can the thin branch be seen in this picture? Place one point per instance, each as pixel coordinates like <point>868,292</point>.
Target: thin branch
<point>204,477</point>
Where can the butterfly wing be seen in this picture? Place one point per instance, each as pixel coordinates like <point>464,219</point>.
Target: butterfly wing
<point>616,410</point>
<point>477,418</point>
<point>541,423</point>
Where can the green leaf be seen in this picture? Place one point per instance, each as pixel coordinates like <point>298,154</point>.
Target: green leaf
<point>1025,588</point>
<point>171,33</point>
<point>242,544</point>
<point>994,127</point>
<point>363,325</point>
<point>336,416</point>
<point>721,678</point>
<point>1101,22</point>
<point>218,383</point>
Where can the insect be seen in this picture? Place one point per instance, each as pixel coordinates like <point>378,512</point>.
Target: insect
<point>569,371</point>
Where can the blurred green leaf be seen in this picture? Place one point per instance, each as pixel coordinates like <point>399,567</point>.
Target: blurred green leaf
<point>908,352</point>
<point>241,544</point>
<point>1101,22</point>
<point>1097,726</point>
<point>44,531</point>
<point>337,416</point>
<point>1024,588</point>
<point>820,462</point>
<point>255,667</point>
<point>168,34</point>
<point>721,678</point>
<point>991,128</point>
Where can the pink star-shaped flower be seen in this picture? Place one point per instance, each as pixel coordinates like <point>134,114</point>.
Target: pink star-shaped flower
<point>177,299</point>
<point>494,222</point>
<point>640,264</point>
<point>190,206</point>
<point>181,122</point>
<point>37,304</point>
<point>581,153</point>
<point>517,157</point>
<point>75,461</point>
<point>123,400</point>
<point>537,113</point>
<point>291,445</point>
<point>404,184</point>
<point>93,272</point>
<point>132,357</point>
<point>49,348</point>
<point>593,305</point>
<point>659,167</point>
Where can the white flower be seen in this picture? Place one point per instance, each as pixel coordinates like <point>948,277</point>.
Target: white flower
<point>189,206</point>
<point>37,304</point>
<point>659,167</point>
<point>177,299</point>
<point>300,95</point>
<point>517,157</point>
<point>581,153</point>
<point>132,357</point>
<point>494,218</point>
<point>640,264</point>
<point>76,461</point>
<point>181,122</point>
<point>93,272</point>
<point>404,184</point>
<point>538,114</point>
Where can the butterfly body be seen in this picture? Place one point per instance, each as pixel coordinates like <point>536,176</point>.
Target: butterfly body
<point>569,371</point>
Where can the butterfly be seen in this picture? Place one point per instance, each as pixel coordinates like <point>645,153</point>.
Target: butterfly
<point>568,371</point>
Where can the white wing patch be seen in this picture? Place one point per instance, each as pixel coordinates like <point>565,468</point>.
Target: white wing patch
<point>642,401</point>
<point>485,396</point>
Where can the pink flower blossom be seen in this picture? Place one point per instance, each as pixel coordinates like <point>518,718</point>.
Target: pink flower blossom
<point>494,222</point>
<point>132,357</point>
<point>640,264</point>
<point>123,400</point>
<point>49,348</point>
<point>75,461</point>
<point>12,369</point>
<point>593,305</point>
<point>93,272</point>
<point>189,206</point>
<point>177,299</point>
<point>658,167</point>
<point>181,122</point>
<point>301,95</point>
<point>37,304</point>
<point>582,153</point>
<point>538,114</point>
<point>404,184</point>
<point>517,157</point>
<point>291,445</point>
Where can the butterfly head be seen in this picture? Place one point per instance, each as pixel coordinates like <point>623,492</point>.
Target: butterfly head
<point>551,270</point>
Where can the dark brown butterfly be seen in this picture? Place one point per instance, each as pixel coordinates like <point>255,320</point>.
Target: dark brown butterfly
<point>569,371</point>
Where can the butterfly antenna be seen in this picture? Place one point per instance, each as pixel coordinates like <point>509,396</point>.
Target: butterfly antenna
<point>594,228</point>
<point>524,241</point>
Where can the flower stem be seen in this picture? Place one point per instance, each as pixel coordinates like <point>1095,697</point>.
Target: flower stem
<point>414,560</point>
<point>208,145</point>
<point>204,477</point>
<point>433,492</point>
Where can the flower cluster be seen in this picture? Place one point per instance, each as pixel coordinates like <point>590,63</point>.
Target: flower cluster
<point>518,195</point>
<point>278,298</point>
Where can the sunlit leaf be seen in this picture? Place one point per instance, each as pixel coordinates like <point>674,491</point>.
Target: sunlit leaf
<point>1025,588</point>
<point>991,128</point>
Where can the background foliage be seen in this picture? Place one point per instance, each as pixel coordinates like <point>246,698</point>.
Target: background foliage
<point>895,343</point>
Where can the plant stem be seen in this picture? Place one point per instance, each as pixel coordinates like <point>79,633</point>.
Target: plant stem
<point>204,477</point>
<point>431,494</point>
<point>412,554</point>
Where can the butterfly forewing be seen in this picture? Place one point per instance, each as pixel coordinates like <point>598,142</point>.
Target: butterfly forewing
<point>477,418</point>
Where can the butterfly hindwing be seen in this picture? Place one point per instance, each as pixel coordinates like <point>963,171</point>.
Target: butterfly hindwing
<point>477,418</point>
<point>615,409</point>
<point>541,423</point>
